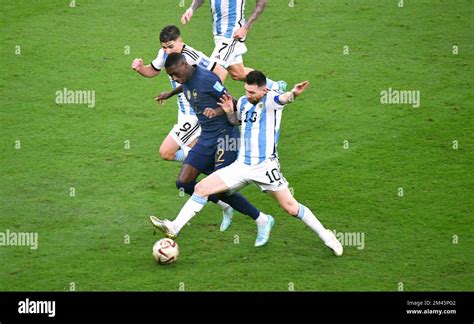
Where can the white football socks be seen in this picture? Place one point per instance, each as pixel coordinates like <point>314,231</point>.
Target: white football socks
<point>262,219</point>
<point>193,206</point>
<point>305,214</point>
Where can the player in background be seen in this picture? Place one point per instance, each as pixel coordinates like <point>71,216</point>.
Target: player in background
<point>230,30</point>
<point>259,112</point>
<point>184,134</point>
<point>203,89</point>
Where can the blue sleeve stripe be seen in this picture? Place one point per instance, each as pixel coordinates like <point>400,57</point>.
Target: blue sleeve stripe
<point>277,100</point>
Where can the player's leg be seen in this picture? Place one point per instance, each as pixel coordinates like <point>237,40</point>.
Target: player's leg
<point>195,164</point>
<point>221,72</point>
<point>169,150</point>
<point>229,53</point>
<point>228,175</point>
<point>292,207</point>
<point>236,176</point>
<point>186,181</point>
<point>235,201</point>
<point>187,177</point>
<point>212,184</point>
<point>180,139</point>
<point>237,72</point>
<point>208,186</point>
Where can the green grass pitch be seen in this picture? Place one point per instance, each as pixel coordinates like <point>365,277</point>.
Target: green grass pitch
<point>397,174</point>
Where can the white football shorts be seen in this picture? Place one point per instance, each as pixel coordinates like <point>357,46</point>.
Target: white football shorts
<point>228,51</point>
<point>185,131</point>
<point>266,175</point>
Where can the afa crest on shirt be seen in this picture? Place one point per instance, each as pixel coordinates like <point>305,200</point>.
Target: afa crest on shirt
<point>260,105</point>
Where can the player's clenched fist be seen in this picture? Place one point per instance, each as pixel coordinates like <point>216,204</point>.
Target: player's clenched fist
<point>186,17</point>
<point>137,64</point>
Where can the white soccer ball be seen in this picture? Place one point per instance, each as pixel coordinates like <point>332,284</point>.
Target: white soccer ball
<point>165,251</point>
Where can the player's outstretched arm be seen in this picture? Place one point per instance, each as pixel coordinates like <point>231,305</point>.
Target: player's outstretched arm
<point>296,91</point>
<point>188,14</point>
<point>242,31</point>
<point>166,95</point>
<point>146,70</point>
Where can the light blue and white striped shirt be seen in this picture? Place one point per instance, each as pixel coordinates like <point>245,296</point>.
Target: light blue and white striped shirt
<point>227,16</point>
<point>260,128</point>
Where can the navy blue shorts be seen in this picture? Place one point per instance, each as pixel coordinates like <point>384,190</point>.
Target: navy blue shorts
<point>209,155</point>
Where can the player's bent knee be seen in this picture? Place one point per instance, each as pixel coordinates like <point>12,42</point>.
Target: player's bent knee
<point>166,154</point>
<point>291,208</point>
<point>201,189</point>
<point>237,76</point>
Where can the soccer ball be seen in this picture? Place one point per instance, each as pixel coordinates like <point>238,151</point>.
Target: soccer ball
<point>165,251</point>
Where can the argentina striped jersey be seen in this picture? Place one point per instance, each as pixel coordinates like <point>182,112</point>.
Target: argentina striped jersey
<point>260,128</point>
<point>227,16</point>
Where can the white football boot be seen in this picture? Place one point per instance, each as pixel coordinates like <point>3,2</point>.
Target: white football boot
<point>333,243</point>
<point>165,226</point>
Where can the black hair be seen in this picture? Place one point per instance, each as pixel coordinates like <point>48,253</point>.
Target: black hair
<point>256,77</point>
<point>169,33</point>
<point>173,59</point>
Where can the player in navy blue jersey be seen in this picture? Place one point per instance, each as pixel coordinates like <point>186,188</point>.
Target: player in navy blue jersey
<point>203,89</point>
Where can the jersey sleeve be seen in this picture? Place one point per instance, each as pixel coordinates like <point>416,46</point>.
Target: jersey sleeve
<point>273,101</point>
<point>217,89</point>
<point>194,57</point>
<point>206,63</point>
<point>159,62</point>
